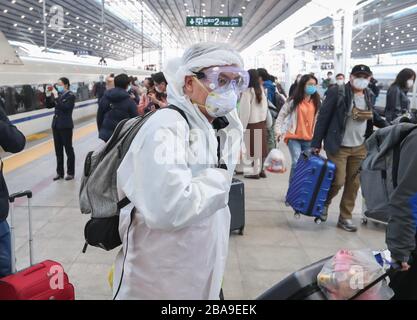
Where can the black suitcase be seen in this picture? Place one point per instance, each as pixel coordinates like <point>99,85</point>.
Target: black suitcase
<point>301,285</point>
<point>237,206</point>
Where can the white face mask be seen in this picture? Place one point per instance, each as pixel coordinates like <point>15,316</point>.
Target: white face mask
<point>220,104</point>
<point>410,83</point>
<point>340,82</point>
<point>360,83</point>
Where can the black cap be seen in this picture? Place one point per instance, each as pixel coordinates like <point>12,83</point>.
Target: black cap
<point>361,69</point>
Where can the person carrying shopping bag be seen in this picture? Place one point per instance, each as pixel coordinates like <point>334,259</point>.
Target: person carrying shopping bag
<point>297,119</point>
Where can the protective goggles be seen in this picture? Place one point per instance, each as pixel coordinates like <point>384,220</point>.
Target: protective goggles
<point>221,79</point>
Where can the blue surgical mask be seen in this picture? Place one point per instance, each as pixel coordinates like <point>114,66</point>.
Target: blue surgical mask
<point>310,90</point>
<point>60,89</point>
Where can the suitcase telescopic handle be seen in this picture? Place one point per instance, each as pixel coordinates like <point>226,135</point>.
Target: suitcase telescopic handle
<point>28,194</point>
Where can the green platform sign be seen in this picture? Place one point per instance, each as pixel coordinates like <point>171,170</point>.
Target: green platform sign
<point>217,22</point>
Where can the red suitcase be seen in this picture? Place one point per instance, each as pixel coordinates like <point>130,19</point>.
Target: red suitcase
<point>43,281</point>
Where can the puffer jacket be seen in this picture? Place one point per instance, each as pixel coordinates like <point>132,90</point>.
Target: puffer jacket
<point>115,106</point>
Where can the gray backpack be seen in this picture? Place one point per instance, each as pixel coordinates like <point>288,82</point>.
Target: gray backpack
<point>379,172</point>
<point>98,193</point>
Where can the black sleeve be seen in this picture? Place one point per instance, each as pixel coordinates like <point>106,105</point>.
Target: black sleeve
<point>379,122</point>
<point>324,117</point>
<point>103,107</point>
<point>50,102</point>
<point>401,229</point>
<point>392,109</point>
<point>11,139</point>
<point>68,104</point>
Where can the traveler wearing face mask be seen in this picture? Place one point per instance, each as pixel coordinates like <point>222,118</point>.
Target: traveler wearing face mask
<point>161,84</point>
<point>99,88</point>
<point>179,234</point>
<point>297,118</point>
<point>344,125</point>
<point>398,103</point>
<point>340,79</point>
<point>115,106</point>
<point>62,127</point>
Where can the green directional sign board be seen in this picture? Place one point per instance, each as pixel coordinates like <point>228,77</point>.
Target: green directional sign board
<point>214,22</point>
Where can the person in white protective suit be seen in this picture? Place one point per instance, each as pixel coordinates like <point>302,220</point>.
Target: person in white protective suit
<point>177,243</point>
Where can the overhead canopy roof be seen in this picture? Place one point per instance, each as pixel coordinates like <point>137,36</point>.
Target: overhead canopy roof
<point>259,17</point>
<point>383,26</point>
<point>82,29</point>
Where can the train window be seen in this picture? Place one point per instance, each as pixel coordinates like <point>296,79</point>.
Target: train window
<point>25,98</point>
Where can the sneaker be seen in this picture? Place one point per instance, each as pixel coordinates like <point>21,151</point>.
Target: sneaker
<point>58,177</point>
<point>69,177</point>
<point>347,225</point>
<point>255,177</point>
<point>262,174</point>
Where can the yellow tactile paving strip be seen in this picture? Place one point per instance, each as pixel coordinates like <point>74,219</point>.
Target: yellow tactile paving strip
<point>19,160</point>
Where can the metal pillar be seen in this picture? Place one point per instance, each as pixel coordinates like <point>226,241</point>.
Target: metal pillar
<point>160,47</point>
<point>289,61</point>
<point>347,38</point>
<point>141,11</point>
<point>45,36</point>
<point>338,48</point>
<point>102,27</point>
<point>379,40</point>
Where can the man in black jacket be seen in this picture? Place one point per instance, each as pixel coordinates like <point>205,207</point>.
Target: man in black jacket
<point>63,127</point>
<point>115,106</point>
<point>346,119</point>
<point>11,140</point>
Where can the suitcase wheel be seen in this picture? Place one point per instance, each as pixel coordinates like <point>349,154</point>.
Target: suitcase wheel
<point>318,221</point>
<point>241,231</point>
<point>297,216</point>
<point>364,221</point>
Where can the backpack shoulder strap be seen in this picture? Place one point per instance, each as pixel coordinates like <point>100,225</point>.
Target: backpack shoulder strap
<point>125,201</point>
<point>182,113</point>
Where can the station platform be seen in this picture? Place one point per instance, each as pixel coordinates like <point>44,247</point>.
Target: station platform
<point>274,245</point>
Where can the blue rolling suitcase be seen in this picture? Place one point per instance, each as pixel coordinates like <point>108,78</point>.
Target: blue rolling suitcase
<point>310,185</point>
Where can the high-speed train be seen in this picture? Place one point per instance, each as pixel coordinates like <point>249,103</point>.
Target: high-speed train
<point>22,88</point>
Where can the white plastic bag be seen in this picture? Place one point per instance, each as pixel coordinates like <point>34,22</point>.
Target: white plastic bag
<point>348,272</point>
<point>275,162</point>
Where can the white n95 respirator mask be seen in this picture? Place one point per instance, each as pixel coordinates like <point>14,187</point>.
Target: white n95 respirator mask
<point>220,104</point>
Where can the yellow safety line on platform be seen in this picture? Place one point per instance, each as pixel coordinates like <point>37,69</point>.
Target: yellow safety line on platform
<point>27,156</point>
<point>37,136</point>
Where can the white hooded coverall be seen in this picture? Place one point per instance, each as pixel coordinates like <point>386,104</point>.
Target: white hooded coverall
<point>178,240</point>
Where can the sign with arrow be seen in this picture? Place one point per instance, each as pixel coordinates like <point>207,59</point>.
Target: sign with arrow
<point>226,22</point>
